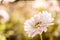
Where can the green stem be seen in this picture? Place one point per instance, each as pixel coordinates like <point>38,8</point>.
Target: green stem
<point>51,37</point>
<point>41,37</point>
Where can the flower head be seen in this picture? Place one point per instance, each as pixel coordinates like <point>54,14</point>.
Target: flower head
<point>4,17</point>
<point>39,4</point>
<point>38,24</point>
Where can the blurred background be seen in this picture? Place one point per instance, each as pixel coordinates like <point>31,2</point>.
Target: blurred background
<point>21,10</point>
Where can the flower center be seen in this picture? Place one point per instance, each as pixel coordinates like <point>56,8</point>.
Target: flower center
<point>37,24</point>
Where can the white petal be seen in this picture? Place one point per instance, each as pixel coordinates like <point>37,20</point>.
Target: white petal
<point>28,25</point>
<point>46,17</point>
<point>29,22</point>
<point>37,17</point>
<point>5,15</point>
<point>34,33</point>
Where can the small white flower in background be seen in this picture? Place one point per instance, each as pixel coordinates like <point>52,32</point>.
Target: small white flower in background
<point>53,5</point>
<point>38,24</point>
<point>39,3</point>
<point>8,1</point>
<point>4,17</point>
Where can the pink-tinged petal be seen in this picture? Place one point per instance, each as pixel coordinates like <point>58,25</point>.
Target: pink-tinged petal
<point>29,22</point>
<point>37,17</point>
<point>46,17</point>
<point>35,32</point>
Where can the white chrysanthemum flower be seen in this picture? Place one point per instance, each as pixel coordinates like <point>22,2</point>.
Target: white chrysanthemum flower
<point>4,17</point>
<point>38,24</point>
